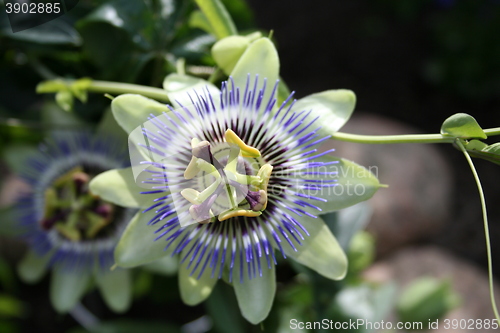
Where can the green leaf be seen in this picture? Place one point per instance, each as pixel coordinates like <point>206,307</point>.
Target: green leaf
<point>179,87</point>
<point>334,108</point>
<point>462,125</point>
<point>132,111</point>
<point>493,149</point>
<point>66,288</point>
<point>227,51</point>
<point>194,289</point>
<point>479,149</point>
<point>200,21</point>
<point>100,37</point>
<point>220,21</point>
<point>134,17</point>
<point>255,297</point>
<point>137,245</point>
<point>346,222</point>
<point>371,303</point>
<point>64,99</point>
<point>193,48</point>
<point>118,186</point>
<point>116,289</point>
<point>260,58</point>
<point>33,267</point>
<point>426,299</point>
<point>361,252</point>
<point>319,251</point>
<point>55,32</point>
<point>475,145</point>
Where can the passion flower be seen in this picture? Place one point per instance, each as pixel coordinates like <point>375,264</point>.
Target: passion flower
<point>231,176</point>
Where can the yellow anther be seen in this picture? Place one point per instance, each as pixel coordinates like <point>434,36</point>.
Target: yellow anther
<point>191,195</point>
<point>238,212</point>
<point>246,151</point>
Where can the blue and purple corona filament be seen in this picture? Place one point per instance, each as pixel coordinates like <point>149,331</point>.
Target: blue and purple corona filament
<point>59,217</point>
<point>235,174</point>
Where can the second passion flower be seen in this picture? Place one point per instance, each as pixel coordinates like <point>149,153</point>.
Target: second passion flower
<point>70,230</point>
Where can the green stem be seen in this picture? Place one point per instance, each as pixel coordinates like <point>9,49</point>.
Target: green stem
<point>486,228</point>
<point>127,88</point>
<point>407,138</point>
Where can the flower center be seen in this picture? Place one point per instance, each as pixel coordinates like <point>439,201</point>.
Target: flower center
<point>74,211</point>
<point>229,193</point>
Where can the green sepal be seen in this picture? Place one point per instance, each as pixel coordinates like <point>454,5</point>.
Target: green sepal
<point>116,288</point>
<point>226,52</point>
<point>32,267</point>
<point>333,107</point>
<point>260,58</point>
<point>255,296</point>
<point>354,183</point>
<point>67,288</point>
<point>137,245</point>
<point>319,251</point>
<point>180,87</point>
<point>131,111</point>
<point>194,289</point>
<point>119,186</point>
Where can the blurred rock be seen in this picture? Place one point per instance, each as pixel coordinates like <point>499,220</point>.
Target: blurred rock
<point>12,188</point>
<point>11,249</point>
<point>470,282</point>
<point>417,202</point>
